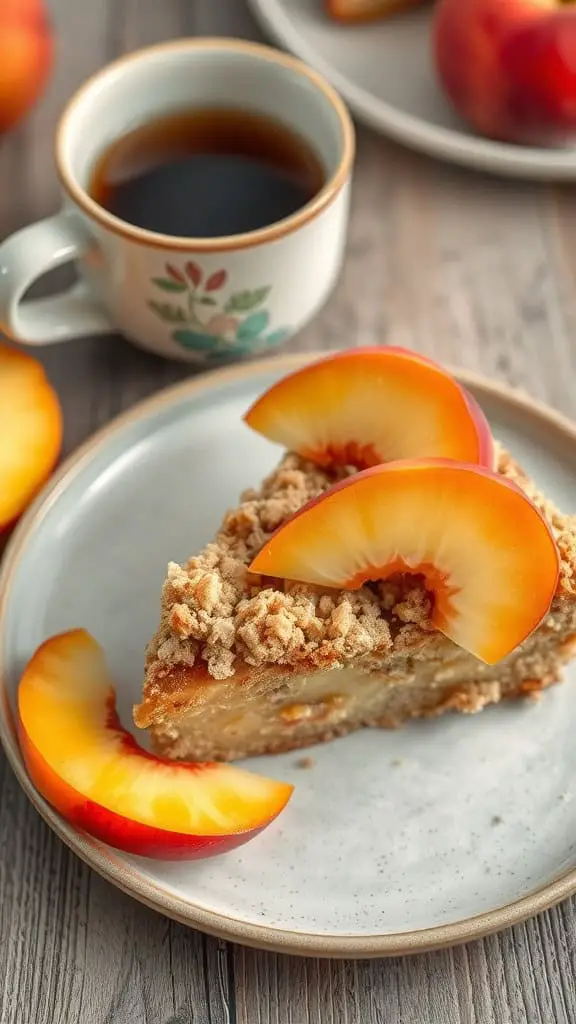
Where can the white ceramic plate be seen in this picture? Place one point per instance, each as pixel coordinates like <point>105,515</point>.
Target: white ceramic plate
<point>393,841</point>
<point>384,71</point>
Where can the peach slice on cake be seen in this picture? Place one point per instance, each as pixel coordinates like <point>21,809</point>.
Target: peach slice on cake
<point>366,406</point>
<point>94,773</point>
<point>486,553</point>
<point>30,431</point>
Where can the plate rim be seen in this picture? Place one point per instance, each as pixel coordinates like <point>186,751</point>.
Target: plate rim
<point>126,877</point>
<point>476,152</point>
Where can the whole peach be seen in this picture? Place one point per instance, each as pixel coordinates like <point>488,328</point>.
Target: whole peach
<point>509,66</point>
<point>26,51</point>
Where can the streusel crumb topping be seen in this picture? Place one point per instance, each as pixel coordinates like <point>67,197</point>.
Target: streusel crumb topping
<point>215,611</point>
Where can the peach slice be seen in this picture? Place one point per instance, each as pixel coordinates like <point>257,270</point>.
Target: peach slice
<point>94,773</point>
<point>366,406</point>
<point>485,551</point>
<point>30,431</point>
<point>365,10</point>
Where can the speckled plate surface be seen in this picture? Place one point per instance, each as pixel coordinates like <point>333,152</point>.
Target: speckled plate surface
<point>393,841</point>
<point>385,72</point>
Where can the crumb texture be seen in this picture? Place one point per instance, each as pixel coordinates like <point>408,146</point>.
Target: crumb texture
<point>213,609</point>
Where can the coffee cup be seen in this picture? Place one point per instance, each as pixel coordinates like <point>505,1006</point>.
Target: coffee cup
<point>198,299</point>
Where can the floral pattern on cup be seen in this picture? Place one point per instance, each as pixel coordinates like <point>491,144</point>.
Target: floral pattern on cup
<point>215,327</point>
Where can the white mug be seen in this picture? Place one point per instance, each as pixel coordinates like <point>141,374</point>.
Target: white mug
<point>261,287</point>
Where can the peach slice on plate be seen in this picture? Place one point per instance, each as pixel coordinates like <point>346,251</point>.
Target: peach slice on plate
<point>366,406</point>
<point>94,773</point>
<point>366,10</point>
<point>30,431</point>
<point>485,551</point>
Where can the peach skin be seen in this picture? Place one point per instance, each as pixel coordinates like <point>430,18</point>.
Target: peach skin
<point>26,54</point>
<point>508,66</point>
<point>94,773</point>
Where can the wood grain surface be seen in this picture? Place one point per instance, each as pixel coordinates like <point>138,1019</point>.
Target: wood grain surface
<point>472,270</point>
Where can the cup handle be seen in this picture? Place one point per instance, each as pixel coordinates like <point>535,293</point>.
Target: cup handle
<point>26,256</point>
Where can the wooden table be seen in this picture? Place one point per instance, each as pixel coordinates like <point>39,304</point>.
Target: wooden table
<point>471,270</point>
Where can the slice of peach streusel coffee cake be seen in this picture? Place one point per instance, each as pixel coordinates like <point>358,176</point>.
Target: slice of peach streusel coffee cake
<point>405,591</point>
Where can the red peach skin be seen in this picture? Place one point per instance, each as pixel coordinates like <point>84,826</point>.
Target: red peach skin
<point>508,67</point>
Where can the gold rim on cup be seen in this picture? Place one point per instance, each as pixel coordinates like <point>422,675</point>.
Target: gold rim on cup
<point>315,206</point>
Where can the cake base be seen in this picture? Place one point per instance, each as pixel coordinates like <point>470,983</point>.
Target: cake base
<point>281,712</point>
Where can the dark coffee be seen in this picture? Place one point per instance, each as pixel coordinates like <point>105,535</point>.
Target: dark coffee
<point>207,173</point>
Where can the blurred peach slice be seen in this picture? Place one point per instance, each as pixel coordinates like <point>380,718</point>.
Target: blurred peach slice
<point>366,10</point>
<point>30,431</point>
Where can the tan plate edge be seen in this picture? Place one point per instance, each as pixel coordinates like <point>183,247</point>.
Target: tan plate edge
<point>103,860</point>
